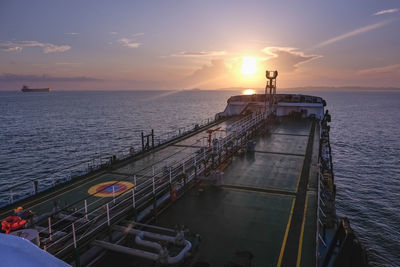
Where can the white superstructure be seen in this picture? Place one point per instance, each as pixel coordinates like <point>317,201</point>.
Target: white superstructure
<point>285,105</point>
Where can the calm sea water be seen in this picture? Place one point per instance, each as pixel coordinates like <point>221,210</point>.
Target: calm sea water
<point>43,135</point>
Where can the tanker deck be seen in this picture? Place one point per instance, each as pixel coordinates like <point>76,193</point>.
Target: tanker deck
<point>253,188</point>
<point>265,205</point>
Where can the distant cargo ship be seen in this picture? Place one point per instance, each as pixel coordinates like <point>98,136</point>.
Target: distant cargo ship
<point>27,89</point>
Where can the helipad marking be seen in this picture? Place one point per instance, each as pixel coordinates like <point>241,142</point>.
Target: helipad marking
<point>110,188</point>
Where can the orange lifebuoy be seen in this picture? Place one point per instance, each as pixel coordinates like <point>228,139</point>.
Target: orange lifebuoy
<point>12,223</point>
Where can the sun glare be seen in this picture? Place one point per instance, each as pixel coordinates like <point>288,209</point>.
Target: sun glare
<point>249,92</point>
<point>249,66</point>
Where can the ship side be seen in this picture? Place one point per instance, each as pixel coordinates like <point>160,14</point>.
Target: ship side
<point>33,90</point>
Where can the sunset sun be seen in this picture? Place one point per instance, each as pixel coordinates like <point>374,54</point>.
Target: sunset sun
<point>249,66</point>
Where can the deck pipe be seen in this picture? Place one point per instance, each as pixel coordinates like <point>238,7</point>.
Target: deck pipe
<point>162,255</point>
<point>126,250</point>
<point>139,240</point>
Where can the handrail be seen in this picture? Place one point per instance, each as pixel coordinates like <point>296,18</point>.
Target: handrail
<point>87,165</point>
<point>148,173</point>
<point>149,189</point>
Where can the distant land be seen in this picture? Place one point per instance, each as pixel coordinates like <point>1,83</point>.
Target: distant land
<point>258,90</point>
<point>315,88</point>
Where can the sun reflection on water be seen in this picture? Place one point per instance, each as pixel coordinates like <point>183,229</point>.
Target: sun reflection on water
<point>249,92</point>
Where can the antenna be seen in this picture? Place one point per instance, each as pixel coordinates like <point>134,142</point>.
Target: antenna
<point>271,85</point>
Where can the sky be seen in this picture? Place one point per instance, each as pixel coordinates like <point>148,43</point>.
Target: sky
<point>144,45</point>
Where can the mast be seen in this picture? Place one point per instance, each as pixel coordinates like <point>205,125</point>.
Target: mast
<point>271,85</point>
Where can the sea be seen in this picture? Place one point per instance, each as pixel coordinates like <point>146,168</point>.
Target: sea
<point>51,136</point>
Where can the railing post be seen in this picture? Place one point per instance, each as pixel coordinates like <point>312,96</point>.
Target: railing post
<point>35,187</point>
<point>50,233</point>
<point>195,165</point>
<point>134,180</point>
<point>86,210</point>
<point>183,166</point>
<point>108,214</point>
<point>113,192</point>
<point>73,234</point>
<point>133,198</point>
<point>154,187</point>
<point>170,175</point>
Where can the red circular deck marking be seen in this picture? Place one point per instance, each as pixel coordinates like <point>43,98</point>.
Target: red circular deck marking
<point>110,188</point>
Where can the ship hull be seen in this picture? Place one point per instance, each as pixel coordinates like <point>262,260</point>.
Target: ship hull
<point>39,90</point>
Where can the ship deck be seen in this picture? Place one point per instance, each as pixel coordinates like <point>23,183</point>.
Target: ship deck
<point>267,205</point>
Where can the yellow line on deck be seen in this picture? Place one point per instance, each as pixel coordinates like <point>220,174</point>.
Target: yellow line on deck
<point>290,193</point>
<point>302,165</point>
<point>286,234</point>
<point>301,233</point>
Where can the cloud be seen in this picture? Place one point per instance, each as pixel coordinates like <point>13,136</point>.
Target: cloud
<point>113,33</point>
<point>129,43</point>
<point>9,77</point>
<point>391,69</point>
<point>380,76</point>
<point>68,63</point>
<point>386,11</point>
<point>207,74</point>
<point>200,53</point>
<point>71,33</point>
<point>285,59</point>
<point>138,34</point>
<point>46,47</point>
<point>353,33</point>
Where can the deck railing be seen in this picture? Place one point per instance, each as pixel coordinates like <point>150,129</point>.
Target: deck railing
<point>150,190</point>
<point>324,193</point>
<point>31,187</point>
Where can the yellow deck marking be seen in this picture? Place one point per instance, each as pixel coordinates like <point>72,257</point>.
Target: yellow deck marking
<point>290,193</point>
<point>301,233</point>
<point>301,170</point>
<point>286,234</point>
<point>105,189</point>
